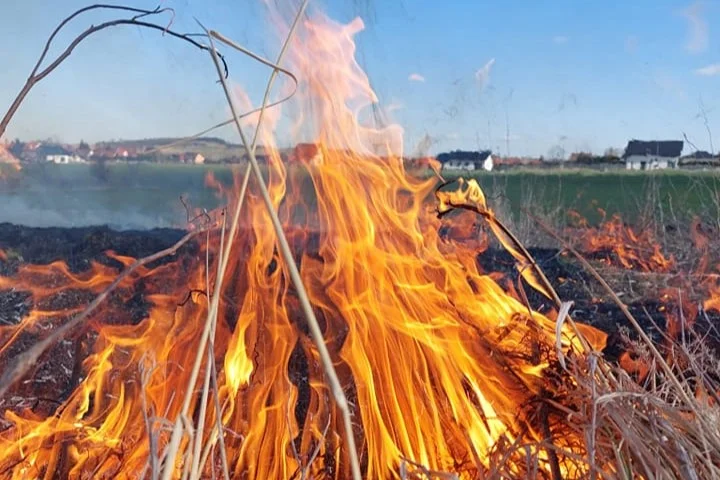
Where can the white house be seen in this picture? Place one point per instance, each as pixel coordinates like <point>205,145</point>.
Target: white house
<point>469,161</point>
<point>57,154</point>
<point>65,159</point>
<point>652,155</point>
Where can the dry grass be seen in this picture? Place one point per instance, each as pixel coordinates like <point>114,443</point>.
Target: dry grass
<point>661,425</point>
<point>664,424</point>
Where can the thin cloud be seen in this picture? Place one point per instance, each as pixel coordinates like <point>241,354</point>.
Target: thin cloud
<point>698,32</point>
<point>709,70</point>
<point>416,77</point>
<point>483,75</point>
<point>560,39</point>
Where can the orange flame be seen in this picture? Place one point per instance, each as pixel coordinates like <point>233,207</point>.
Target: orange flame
<point>622,245</point>
<point>437,360</point>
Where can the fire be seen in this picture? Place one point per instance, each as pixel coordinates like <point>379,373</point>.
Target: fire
<point>713,300</point>
<point>622,245</point>
<point>439,363</point>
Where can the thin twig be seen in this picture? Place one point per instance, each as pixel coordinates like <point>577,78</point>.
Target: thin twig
<point>36,75</point>
<point>318,447</point>
<point>426,471</point>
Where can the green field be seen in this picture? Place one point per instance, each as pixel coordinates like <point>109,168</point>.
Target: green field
<point>146,195</point>
<point>669,194</point>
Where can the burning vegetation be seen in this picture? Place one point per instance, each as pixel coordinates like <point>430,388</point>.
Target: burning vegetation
<point>369,337</point>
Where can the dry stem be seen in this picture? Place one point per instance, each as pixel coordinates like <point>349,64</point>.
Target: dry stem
<point>656,354</point>
<point>225,252</point>
<point>334,381</point>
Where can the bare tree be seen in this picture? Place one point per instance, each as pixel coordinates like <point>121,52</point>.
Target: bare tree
<point>136,17</point>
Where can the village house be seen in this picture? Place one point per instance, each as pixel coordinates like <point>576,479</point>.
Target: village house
<point>700,159</point>
<point>462,160</point>
<point>652,155</point>
<point>59,155</point>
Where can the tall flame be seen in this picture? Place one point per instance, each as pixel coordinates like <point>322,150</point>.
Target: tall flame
<point>438,362</point>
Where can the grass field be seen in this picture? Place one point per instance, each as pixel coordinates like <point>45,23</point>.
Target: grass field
<point>630,194</point>
<point>147,195</point>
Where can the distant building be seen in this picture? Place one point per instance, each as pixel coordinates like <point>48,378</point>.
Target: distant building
<point>463,160</point>
<point>199,159</point>
<point>700,158</point>
<point>652,155</point>
<point>59,155</point>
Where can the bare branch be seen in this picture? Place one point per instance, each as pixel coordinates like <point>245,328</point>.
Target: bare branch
<point>37,75</point>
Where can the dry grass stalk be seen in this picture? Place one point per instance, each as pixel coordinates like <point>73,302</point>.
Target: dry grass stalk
<point>207,389</point>
<point>152,439</point>
<point>178,430</point>
<point>563,315</point>
<point>294,273</point>
<point>656,354</point>
<point>316,332</point>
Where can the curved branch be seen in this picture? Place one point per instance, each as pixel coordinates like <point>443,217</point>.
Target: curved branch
<point>36,75</point>
<point>79,12</point>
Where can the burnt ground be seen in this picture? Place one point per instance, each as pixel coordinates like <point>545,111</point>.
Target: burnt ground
<point>642,294</point>
<point>78,247</point>
<point>60,369</point>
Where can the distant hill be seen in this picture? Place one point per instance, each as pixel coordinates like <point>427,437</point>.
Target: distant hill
<point>213,149</point>
<point>155,142</point>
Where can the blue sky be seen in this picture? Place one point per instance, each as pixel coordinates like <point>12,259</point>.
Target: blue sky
<point>578,75</point>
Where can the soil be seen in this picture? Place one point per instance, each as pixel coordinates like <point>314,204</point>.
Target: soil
<point>59,373</point>
<point>59,369</point>
<point>79,246</point>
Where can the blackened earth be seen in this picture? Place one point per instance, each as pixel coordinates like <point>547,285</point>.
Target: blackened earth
<point>60,371</point>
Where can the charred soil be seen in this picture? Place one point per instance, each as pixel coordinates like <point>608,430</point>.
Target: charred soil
<point>61,371</point>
